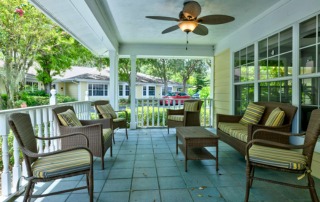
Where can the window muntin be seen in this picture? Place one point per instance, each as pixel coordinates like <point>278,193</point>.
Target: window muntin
<point>149,91</point>
<point>120,90</point>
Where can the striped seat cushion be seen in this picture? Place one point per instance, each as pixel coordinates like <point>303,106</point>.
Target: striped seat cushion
<point>107,111</point>
<point>176,117</point>
<point>107,133</point>
<point>69,118</point>
<point>118,119</point>
<point>252,115</point>
<point>277,157</point>
<point>276,117</point>
<point>235,130</point>
<point>191,106</point>
<point>60,164</point>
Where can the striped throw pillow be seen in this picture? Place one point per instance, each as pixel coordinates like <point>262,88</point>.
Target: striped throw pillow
<point>190,106</point>
<point>69,118</point>
<point>107,111</point>
<point>276,117</point>
<point>252,115</point>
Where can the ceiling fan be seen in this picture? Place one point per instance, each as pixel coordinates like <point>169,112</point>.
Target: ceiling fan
<point>189,21</point>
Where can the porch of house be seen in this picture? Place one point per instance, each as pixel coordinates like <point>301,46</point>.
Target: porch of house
<point>146,168</point>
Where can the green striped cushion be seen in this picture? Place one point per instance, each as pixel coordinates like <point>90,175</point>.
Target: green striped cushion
<point>60,164</point>
<point>277,157</point>
<point>235,130</point>
<point>176,117</point>
<point>107,111</point>
<point>69,118</point>
<point>276,117</point>
<point>253,114</point>
<point>106,132</point>
<point>191,106</point>
<point>118,119</point>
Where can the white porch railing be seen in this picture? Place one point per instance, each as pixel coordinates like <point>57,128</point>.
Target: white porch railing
<point>152,112</point>
<point>148,113</point>
<point>45,126</point>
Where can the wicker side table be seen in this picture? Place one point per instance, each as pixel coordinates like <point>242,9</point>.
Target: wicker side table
<point>193,142</point>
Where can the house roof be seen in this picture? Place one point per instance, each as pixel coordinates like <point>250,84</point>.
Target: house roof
<point>77,73</point>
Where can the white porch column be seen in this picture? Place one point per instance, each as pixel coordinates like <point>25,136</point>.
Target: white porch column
<point>133,76</point>
<point>114,81</point>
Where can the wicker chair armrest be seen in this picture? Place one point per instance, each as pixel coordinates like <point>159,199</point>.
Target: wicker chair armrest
<point>36,155</point>
<point>175,111</point>
<point>65,136</point>
<point>255,135</point>
<point>106,122</point>
<point>228,118</point>
<point>253,127</point>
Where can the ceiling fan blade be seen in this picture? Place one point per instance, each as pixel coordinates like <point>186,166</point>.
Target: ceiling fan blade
<point>170,29</point>
<point>215,19</point>
<point>201,30</point>
<point>163,18</point>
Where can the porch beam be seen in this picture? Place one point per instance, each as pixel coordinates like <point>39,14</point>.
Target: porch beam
<point>133,76</point>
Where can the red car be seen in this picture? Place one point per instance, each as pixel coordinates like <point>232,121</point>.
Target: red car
<point>178,97</point>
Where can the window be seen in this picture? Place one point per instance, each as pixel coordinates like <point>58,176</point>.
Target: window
<point>120,90</point>
<point>127,90</point>
<point>243,72</point>
<point>31,86</point>
<point>275,55</point>
<point>149,91</point>
<point>98,89</point>
<point>276,91</point>
<point>243,95</point>
<point>309,49</point>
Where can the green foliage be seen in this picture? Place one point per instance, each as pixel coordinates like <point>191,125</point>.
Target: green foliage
<point>63,99</point>
<point>23,30</point>
<point>205,92</point>
<point>3,101</point>
<point>11,158</point>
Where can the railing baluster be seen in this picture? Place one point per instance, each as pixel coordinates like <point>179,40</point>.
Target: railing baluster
<point>147,112</point>
<point>39,123</point>
<point>46,129</point>
<point>205,113</point>
<point>16,170</point>
<point>5,176</point>
<point>158,120</point>
<point>52,130</point>
<point>152,112</point>
<point>142,114</point>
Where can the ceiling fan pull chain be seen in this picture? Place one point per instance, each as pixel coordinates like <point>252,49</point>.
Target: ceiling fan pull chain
<point>187,41</point>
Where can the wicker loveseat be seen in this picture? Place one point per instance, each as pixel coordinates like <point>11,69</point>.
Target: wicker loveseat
<point>247,131</point>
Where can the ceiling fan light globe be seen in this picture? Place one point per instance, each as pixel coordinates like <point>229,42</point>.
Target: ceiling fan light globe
<point>188,26</point>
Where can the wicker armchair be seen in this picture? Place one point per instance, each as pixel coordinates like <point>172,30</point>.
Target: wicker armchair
<point>284,157</point>
<point>116,122</point>
<point>95,130</point>
<point>185,118</point>
<point>75,161</point>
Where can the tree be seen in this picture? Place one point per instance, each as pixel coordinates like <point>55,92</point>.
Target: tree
<point>162,68</point>
<point>186,68</point>
<point>23,30</point>
<point>55,56</point>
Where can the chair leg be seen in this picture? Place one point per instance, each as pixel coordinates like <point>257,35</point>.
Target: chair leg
<point>28,192</point>
<point>102,162</point>
<point>113,137</point>
<point>111,150</point>
<point>91,185</point>
<point>168,129</point>
<point>249,181</point>
<point>126,132</point>
<point>312,190</point>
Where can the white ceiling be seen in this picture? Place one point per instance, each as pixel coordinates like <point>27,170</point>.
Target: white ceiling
<point>132,26</point>
<point>121,25</point>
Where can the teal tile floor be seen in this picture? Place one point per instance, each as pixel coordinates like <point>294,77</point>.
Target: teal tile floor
<point>145,168</point>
